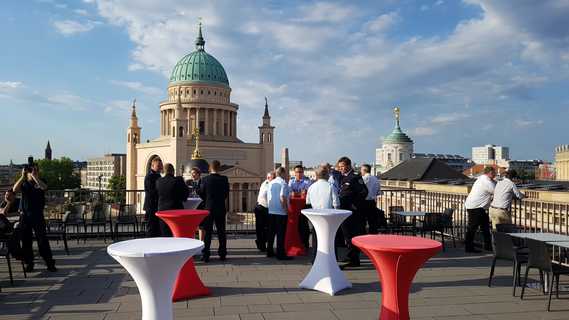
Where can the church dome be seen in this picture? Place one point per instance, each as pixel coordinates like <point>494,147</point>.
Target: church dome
<point>397,136</point>
<point>199,67</point>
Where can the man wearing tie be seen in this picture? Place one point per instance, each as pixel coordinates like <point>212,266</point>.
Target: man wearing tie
<point>214,190</point>
<point>151,198</point>
<point>172,192</point>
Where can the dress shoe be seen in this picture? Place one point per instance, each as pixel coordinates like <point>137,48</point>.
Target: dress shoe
<point>51,268</point>
<point>270,253</point>
<point>222,258</point>
<point>350,264</point>
<point>29,268</point>
<point>205,258</point>
<point>284,258</point>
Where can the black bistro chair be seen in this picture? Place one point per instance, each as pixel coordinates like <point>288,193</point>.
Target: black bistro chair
<point>125,219</point>
<point>100,218</point>
<point>397,223</point>
<point>74,219</point>
<point>4,252</point>
<point>504,249</point>
<point>540,258</point>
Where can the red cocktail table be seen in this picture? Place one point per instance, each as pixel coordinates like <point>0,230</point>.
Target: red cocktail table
<point>396,259</point>
<point>184,224</point>
<point>293,245</point>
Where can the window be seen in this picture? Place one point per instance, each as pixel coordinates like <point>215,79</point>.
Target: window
<point>202,127</point>
<point>400,156</point>
<point>389,157</point>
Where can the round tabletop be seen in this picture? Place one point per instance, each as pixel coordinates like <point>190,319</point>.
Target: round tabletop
<point>326,212</point>
<point>181,212</point>
<point>394,243</point>
<point>140,248</point>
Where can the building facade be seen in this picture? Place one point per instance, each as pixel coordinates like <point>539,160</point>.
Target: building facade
<point>562,163</point>
<point>396,148</point>
<point>101,170</point>
<point>490,154</point>
<point>198,115</point>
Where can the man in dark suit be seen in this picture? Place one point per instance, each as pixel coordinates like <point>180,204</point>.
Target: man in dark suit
<point>151,198</point>
<point>172,192</point>
<point>214,190</point>
<point>353,193</point>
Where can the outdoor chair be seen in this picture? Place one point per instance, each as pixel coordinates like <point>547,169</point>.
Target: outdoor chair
<point>100,217</point>
<point>433,223</point>
<point>397,223</point>
<point>4,252</point>
<point>504,249</point>
<point>56,228</point>
<point>126,218</point>
<point>447,222</point>
<point>75,218</point>
<point>540,258</point>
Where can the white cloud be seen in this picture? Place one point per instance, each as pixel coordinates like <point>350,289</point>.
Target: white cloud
<point>383,22</point>
<point>119,106</point>
<point>72,27</point>
<point>423,131</point>
<point>449,118</point>
<point>521,123</point>
<point>139,87</point>
<point>10,85</point>
<point>81,12</point>
<point>326,12</point>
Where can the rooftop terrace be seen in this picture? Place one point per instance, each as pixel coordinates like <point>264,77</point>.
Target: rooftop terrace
<point>91,285</point>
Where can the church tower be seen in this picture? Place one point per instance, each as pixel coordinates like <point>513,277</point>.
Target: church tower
<point>48,151</point>
<point>266,139</point>
<point>132,140</point>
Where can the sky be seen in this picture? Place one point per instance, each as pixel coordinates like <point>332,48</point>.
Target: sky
<point>464,73</point>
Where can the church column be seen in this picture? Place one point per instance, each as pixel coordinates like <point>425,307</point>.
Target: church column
<point>240,198</point>
<point>206,119</point>
<point>234,126</point>
<point>215,133</point>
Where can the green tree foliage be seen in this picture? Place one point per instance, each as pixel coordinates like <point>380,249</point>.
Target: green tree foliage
<point>117,186</point>
<point>58,173</point>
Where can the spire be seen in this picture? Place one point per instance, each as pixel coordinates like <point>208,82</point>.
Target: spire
<point>48,146</point>
<point>48,151</point>
<point>266,115</point>
<point>200,42</point>
<point>133,114</point>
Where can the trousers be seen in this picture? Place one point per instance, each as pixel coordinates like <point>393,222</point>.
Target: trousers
<point>28,227</point>
<point>277,227</point>
<point>478,218</point>
<point>219,220</point>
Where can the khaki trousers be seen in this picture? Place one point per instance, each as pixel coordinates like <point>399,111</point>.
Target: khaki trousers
<point>499,216</point>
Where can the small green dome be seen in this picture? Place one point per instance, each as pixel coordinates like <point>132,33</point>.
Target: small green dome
<point>199,66</point>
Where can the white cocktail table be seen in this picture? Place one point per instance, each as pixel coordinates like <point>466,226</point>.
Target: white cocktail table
<point>154,264</point>
<point>325,275</point>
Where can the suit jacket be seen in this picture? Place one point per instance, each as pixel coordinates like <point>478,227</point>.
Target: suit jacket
<point>353,191</point>
<point>151,194</point>
<point>214,190</point>
<point>172,192</point>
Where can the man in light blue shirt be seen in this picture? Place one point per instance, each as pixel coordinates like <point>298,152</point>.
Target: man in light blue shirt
<point>322,194</point>
<point>299,185</point>
<point>277,197</point>
<point>372,216</point>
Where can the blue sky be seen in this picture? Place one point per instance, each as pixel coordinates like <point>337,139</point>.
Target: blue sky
<point>465,73</point>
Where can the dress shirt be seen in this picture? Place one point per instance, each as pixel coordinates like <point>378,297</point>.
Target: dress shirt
<point>262,197</point>
<point>298,186</point>
<point>277,188</point>
<point>322,195</point>
<point>373,187</point>
<point>481,193</point>
<point>504,192</point>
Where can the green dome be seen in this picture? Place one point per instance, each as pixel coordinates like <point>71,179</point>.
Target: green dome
<point>397,136</point>
<point>199,66</point>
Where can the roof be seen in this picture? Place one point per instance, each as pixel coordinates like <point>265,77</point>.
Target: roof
<point>199,67</point>
<point>422,169</point>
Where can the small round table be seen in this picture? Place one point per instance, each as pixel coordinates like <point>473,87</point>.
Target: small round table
<point>154,263</point>
<point>325,275</point>
<point>396,259</point>
<point>184,224</point>
<point>293,244</point>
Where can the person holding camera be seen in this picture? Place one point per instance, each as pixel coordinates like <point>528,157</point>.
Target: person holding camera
<point>32,218</point>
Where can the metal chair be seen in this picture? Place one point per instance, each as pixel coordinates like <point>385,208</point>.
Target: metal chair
<point>504,249</point>
<point>540,258</point>
<point>447,224</point>
<point>75,218</point>
<point>397,223</point>
<point>125,218</point>
<point>100,217</point>
<point>5,252</point>
<point>57,228</point>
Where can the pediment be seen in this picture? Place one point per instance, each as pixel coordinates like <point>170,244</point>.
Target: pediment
<point>236,171</point>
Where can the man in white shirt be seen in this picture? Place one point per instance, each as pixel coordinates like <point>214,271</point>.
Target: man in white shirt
<point>371,214</point>
<point>476,204</point>
<point>505,191</point>
<point>277,198</point>
<point>321,194</point>
<point>262,214</point>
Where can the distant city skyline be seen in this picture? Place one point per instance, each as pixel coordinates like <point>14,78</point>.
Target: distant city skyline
<point>465,73</point>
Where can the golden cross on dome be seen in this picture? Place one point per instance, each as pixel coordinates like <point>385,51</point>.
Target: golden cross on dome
<point>397,112</point>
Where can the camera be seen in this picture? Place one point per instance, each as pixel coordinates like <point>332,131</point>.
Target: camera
<point>29,167</point>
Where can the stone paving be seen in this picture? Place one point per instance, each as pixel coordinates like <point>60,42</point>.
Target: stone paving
<point>249,286</point>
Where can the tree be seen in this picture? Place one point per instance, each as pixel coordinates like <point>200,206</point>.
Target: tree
<point>58,174</point>
<point>117,186</point>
